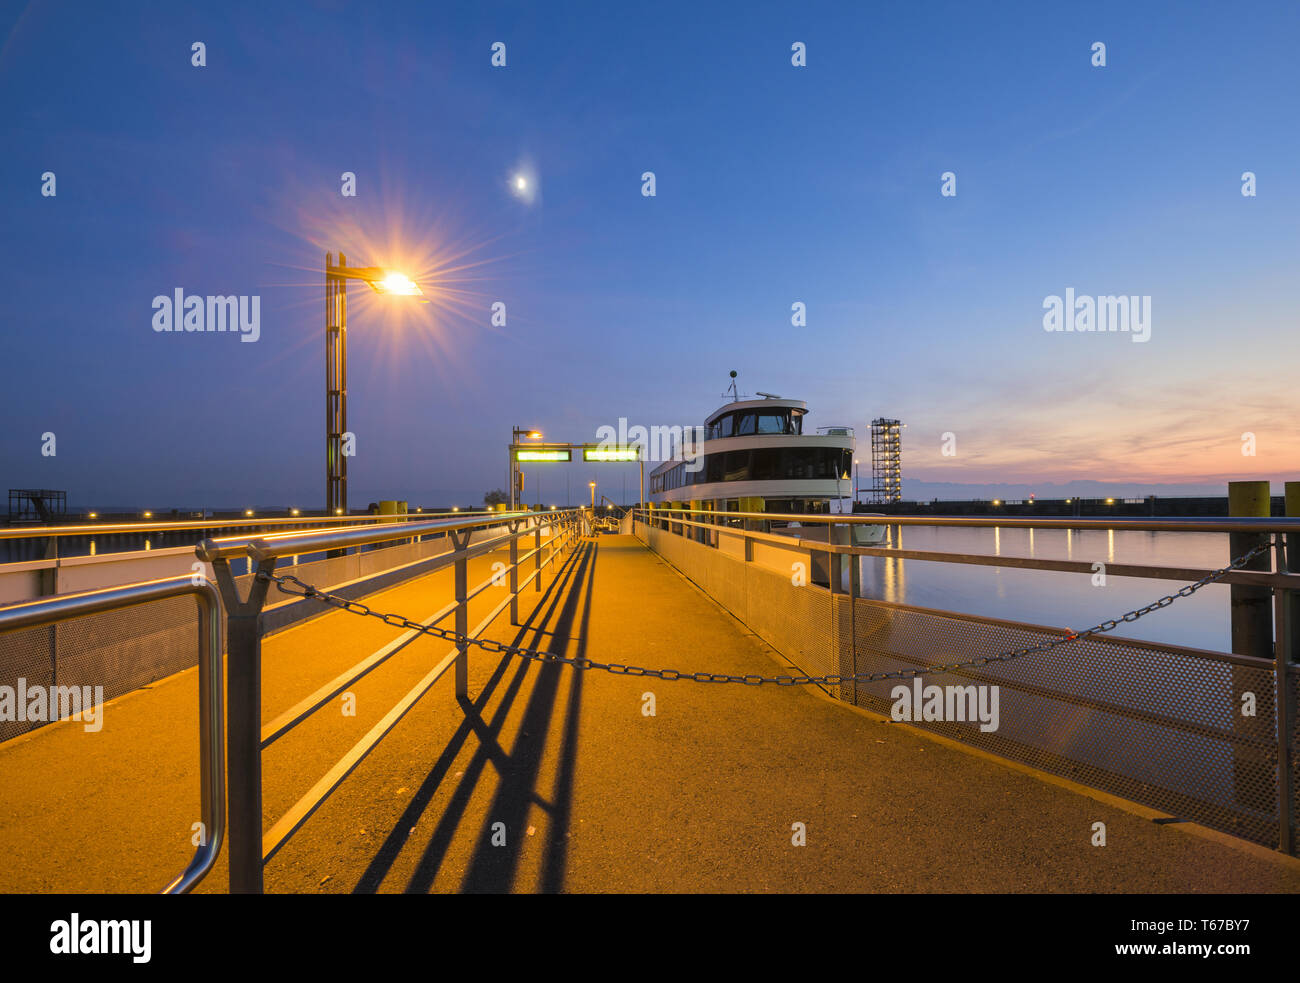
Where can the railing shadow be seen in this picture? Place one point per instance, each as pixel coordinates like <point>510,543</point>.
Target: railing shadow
<point>492,868</point>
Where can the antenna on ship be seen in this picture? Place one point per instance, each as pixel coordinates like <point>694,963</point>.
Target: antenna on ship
<point>735,396</point>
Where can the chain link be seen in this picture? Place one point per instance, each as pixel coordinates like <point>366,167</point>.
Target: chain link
<point>538,655</point>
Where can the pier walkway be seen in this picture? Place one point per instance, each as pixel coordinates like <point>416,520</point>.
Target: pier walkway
<point>593,794</point>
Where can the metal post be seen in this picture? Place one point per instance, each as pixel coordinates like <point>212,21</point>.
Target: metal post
<point>514,573</point>
<point>336,385</point>
<point>1292,550</point>
<point>1252,619</point>
<point>1282,675</point>
<point>244,725</point>
<point>855,588</point>
<point>462,616</point>
<point>537,553</point>
<point>1286,606</point>
<point>1252,634</point>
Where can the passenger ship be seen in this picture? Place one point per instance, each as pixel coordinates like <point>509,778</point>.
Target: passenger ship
<point>756,457</point>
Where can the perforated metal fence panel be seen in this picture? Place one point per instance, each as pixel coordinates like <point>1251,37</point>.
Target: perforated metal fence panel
<point>1169,727</point>
<point>118,650</point>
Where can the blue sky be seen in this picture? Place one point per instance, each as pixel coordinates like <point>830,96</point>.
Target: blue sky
<point>775,185</point>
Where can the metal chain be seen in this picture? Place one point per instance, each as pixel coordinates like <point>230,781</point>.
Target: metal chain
<point>537,655</point>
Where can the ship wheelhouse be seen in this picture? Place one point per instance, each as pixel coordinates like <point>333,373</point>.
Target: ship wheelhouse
<point>754,455</point>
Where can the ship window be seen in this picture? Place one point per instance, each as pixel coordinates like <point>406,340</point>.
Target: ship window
<point>736,466</point>
<point>774,423</point>
<point>746,424</point>
<point>726,424</point>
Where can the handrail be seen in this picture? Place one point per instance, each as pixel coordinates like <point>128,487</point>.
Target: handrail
<point>295,543</point>
<point>1249,578</point>
<point>212,773</point>
<point>115,529</point>
<point>250,848</point>
<point>1047,522</point>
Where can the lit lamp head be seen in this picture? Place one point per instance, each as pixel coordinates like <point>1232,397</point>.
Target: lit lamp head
<point>390,282</point>
<point>397,284</point>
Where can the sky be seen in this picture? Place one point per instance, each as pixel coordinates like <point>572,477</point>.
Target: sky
<point>775,185</point>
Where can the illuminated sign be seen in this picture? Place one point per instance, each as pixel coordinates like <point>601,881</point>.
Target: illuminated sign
<point>536,455</point>
<point>611,454</point>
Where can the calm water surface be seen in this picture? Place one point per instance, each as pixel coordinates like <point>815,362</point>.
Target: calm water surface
<point>1060,600</point>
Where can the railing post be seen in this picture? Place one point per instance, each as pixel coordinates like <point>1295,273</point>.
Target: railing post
<point>244,724</point>
<point>537,553</point>
<point>1252,635</point>
<point>1286,654</point>
<point>1285,643</point>
<point>855,588</point>
<point>514,573</point>
<point>461,543</point>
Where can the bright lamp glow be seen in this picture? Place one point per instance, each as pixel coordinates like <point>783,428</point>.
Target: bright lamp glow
<point>397,284</point>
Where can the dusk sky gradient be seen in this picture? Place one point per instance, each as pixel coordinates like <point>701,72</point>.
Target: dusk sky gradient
<point>775,184</point>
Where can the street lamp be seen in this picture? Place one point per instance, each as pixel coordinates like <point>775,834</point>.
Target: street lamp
<point>515,435</point>
<point>592,484</point>
<point>857,482</point>
<point>381,281</point>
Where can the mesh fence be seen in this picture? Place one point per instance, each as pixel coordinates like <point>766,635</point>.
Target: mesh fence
<point>118,650</point>
<point>1152,723</point>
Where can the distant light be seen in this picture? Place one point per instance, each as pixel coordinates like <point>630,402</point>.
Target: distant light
<point>338,511</point>
<point>94,515</point>
<point>293,511</point>
<point>997,501</point>
<point>521,183</point>
<point>248,512</point>
<point>419,510</point>
<point>1110,501</point>
<point>455,508</point>
<point>1067,501</point>
<point>148,515</point>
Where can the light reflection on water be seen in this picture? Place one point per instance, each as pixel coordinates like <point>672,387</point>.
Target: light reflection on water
<point>1059,600</point>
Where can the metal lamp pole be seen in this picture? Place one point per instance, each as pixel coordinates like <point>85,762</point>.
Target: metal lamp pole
<point>336,385</point>
<point>336,363</point>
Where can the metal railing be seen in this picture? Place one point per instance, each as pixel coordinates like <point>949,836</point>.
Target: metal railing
<point>250,850</point>
<point>51,610</point>
<point>1109,683</point>
<point>93,529</point>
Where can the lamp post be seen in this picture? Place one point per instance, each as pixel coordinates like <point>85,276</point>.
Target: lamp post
<point>382,281</point>
<point>593,496</point>
<point>515,434</point>
<point>857,483</point>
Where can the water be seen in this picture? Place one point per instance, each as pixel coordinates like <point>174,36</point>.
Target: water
<point>1060,600</point>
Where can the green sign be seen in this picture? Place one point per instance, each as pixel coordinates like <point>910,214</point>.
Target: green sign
<point>536,455</point>
<point>611,454</point>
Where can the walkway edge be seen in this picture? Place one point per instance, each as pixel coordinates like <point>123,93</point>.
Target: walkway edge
<point>1185,826</point>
